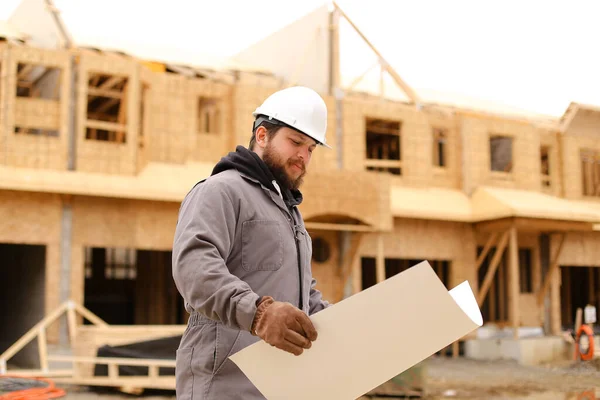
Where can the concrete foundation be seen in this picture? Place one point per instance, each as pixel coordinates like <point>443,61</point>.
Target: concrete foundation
<point>527,351</point>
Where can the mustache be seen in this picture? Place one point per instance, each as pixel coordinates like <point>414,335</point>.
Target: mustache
<point>299,163</point>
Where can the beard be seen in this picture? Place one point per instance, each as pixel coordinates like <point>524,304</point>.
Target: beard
<point>278,168</point>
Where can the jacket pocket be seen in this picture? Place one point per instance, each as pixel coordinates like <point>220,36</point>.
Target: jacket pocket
<point>184,378</point>
<point>262,245</point>
<point>229,342</point>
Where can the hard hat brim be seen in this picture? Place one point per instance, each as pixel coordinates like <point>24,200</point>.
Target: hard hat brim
<point>260,118</point>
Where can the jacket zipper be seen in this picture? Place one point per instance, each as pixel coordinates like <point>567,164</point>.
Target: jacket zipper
<point>300,296</point>
<point>297,240</point>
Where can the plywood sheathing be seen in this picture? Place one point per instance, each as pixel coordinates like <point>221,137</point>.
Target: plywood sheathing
<point>580,249</point>
<point>448,176</point>
<point>32,218</point>
<point>416,141</point>
<point>24,150</point>
<point>526,142</point>
<point>171,120</point>
<point>582,133</point>
<point>552,139</point>
<point>362,196</point>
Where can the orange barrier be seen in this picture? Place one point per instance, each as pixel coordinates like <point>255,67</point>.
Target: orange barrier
<point>36,393</point>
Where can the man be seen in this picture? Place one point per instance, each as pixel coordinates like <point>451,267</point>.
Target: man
<point>241,253</point>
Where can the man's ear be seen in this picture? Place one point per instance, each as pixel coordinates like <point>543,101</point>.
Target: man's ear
<point>261,136</point>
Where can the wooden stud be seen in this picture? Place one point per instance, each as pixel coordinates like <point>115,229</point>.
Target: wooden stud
<point>551,271</point>
<point>113,371</point>
<point>347,259</point>
<point>514,285</point>
<point>43,348</point>
<point>72,323</point>
<point>492,300</point>
<point>455,349</point>
<point>502,314</point>
<point>487,281</point>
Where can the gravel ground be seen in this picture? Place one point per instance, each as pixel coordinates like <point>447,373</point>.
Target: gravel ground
<point>468,379</point>
<point>455,379</point>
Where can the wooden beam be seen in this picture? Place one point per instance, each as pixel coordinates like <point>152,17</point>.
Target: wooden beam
<point>514,289</point>
<point>361,76</point>
<point>43,348</point>
<point>551,271</point>
<point>112,81</point>
<point>93,318</point>
<point>24,73</point>
<point>403,85</point>
<point>534,225</point>
<point>494,225</point>
<point>323,226</point>
<point>147,362</point>
<point>347,259</point>
<point>487,281</point>
<point>486,250</point>
<point>113,94</point>
<point>105,125</point>
<point>550,225</point>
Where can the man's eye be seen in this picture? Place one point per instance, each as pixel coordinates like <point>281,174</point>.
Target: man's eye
<point>295,142</point>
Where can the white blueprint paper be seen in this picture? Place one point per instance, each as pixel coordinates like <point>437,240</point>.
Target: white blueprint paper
<point>366,339</point>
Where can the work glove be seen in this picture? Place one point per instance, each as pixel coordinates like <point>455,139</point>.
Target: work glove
<point>283,326</point>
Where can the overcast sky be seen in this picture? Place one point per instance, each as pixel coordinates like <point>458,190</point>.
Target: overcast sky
<point>535,55</point>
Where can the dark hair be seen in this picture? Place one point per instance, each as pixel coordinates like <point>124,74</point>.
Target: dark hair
<point>271,131</point>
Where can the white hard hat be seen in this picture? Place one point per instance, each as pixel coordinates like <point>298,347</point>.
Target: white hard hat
<point>300,108</point>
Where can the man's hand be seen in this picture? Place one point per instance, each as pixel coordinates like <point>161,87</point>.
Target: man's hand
<point>283,326</point>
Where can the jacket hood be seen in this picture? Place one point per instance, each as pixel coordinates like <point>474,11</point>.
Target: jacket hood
<point>250,164</point>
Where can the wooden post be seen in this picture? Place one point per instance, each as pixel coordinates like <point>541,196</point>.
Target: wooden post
<point>72,322</point>
<point>502,293</point>
<point>380,263</point>
<point>513,279</point>
<point>551,271</point>
<point>43,349</point>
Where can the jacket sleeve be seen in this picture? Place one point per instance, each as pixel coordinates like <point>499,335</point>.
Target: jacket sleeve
<point>203,239</point>
<point>316,302</point>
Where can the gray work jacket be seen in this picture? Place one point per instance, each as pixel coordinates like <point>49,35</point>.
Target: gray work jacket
<point>235,241</point>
